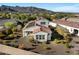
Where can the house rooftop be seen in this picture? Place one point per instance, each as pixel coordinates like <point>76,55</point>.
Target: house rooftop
<point>44,29</point>
<point>38,29</point>
<point>68,23</point>
<point>74,19</point>
<point>32,28</point>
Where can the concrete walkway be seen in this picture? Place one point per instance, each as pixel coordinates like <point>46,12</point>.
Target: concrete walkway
<point>14,51</point>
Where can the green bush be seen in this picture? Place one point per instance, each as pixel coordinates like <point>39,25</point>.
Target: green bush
<point>67,45</point>
<point>14,29</point>
<point>9,24</point>
<point>57,41</point>
<point>11,36</point>
<point>4,42</point>
<point>63,41</point>
<point>8,31</point>
<point>1,41</point>
<point>2,35</point>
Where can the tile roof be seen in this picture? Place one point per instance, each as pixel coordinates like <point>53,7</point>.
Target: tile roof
<point>68,23</point>
<point>38,28</point>
<point>43,28</point>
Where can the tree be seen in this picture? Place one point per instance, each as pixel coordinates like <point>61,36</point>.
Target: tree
<point>47,16</point>
<point>53,17</point>
<point>31,18</point>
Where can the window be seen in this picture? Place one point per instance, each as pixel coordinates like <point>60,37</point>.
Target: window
<point>37,37</point>
<point>43,36</point>
<point>43,23</point>
<point>28,32</point>
<point>75,31</point>
<point>40,37</point>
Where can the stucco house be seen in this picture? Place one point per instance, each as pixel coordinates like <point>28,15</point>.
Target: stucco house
<point>72,27</point>
<point>38,29</point>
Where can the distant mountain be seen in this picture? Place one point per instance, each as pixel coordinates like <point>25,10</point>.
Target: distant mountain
<point>5,8</point>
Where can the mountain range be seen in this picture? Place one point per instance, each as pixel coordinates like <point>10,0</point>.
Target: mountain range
<point>30,9</point>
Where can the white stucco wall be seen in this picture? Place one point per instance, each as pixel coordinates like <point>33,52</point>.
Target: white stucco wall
<point>67,27</point>
<point>71,29</point>
<point>52,24</point>
<point>24,33</point>
<point>49,36</point>
<point>30,29</point>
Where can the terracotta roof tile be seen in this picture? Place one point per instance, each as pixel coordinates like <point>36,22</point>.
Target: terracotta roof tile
<point>68,23</point>
<point>42,28</point>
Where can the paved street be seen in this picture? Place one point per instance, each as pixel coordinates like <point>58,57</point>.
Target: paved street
<point>14,51</point>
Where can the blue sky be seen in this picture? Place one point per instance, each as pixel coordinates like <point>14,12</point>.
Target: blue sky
<point>58,7</point>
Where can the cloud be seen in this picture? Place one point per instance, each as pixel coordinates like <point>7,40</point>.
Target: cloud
<point>72,8</point>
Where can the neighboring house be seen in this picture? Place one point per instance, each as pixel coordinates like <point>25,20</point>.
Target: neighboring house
<point>38,29</point>
<point>73,27</point>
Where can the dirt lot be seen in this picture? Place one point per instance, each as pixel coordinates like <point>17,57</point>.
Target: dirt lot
<point>51,49</point>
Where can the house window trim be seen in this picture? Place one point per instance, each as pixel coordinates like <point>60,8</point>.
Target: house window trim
<point>40,37</point>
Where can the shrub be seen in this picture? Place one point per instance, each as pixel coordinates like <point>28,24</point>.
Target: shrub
<point>9,24</point>
<point>44,46</point>
<point>63,41</point>
<point>48,48</point>
<point>1,41</point>
<point>14,29</point>
<point>67,45</point>
<point>14,41</point>
<point>7,32</point>
<point>57,41</point>
<point>2,35</point>
<point>11,35</point>
<point>67,51</point>
<point>8,41</point>
<point>4,42</point>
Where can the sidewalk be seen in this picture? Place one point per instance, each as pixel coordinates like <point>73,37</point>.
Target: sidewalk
<point>14,51</point>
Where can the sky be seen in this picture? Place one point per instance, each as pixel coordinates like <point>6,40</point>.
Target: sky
<point>57,7</point>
